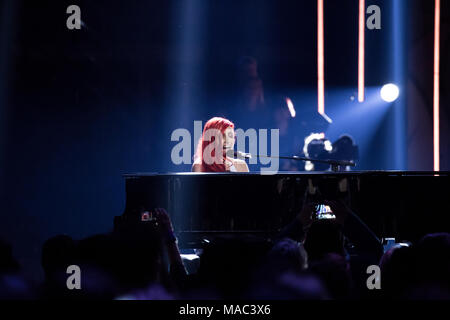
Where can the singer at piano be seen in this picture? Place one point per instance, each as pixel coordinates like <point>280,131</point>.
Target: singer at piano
<point>218,135</point>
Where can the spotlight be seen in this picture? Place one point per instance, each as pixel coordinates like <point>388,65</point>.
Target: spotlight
<point>389,92</point>
<point>317,147</point>
<point>291,107</point>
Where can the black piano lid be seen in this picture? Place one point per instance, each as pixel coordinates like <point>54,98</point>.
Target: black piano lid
<point>391,203</point>
<point>289,173</point>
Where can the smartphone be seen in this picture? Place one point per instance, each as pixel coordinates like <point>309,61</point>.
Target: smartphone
<point>324,212</point>
<point>147,216</point>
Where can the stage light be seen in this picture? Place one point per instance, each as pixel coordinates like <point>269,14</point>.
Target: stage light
<point>189,256</point>
<point>321,62</point>
<point>291,107</point>
<point>362,26</point>
<point>389,92</point>
<point>328,146</point>
<point>320,59</point>
<point>318,147</point>
<point>436,133</point>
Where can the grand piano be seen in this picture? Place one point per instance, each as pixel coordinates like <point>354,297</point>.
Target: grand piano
<point>399,204</point>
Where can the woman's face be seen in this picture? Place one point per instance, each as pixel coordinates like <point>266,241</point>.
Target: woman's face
<point>228,139</point>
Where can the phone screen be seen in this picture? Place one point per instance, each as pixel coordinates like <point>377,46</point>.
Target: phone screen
<point>324,212</point>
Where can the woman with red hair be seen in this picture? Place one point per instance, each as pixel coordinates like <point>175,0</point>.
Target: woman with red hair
<point>213,150</point>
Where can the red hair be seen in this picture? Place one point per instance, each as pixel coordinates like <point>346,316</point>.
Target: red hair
<point>213,134</point>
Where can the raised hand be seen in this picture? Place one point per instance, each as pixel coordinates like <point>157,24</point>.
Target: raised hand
<point>306,214</point>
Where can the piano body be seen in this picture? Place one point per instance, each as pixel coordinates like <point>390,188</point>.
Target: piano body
<point>399,204</point>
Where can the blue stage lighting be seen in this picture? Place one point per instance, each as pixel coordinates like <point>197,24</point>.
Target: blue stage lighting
<point>389,92</point>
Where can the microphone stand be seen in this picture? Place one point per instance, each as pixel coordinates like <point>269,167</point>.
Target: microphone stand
<point>335,164</point>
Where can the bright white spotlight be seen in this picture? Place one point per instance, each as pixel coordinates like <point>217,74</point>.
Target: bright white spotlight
<point>389,92</point>
<point>291,107</point>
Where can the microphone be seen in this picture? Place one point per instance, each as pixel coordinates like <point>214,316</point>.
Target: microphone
<point>238,154</point>
<point>242,155</point>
